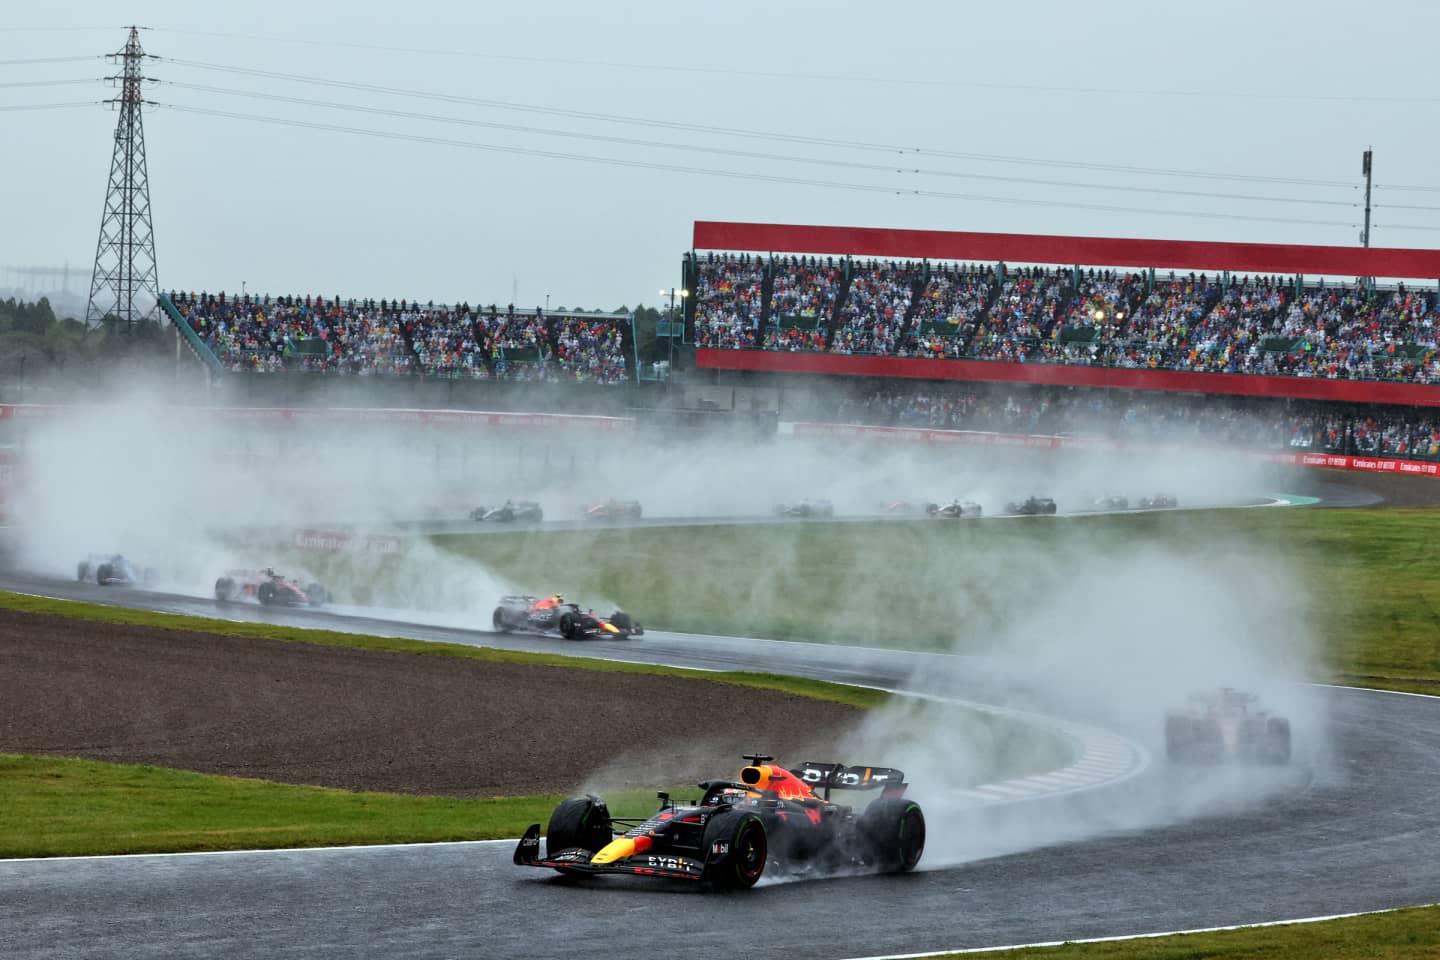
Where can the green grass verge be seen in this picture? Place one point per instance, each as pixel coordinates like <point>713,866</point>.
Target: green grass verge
<point>1400,935</point>
<point>1373,577</point>
<point>58,806</point>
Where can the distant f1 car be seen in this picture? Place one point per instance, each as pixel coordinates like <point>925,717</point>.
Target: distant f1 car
<point>268,588</point>
<point>554,614</point>
<point>955,510</point>
<point>1112,503</point>
<point>1225,724</point>
<point>806,509</point>
<point>769,817</point>
<point>612,510</point>
<point>1158,502</point>
<point>112,570</point>
<point>903,506</point>
<point>511,511</point>
<point>1032,507</point>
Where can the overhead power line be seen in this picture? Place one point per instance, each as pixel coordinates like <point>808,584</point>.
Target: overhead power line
<point>744,154</point>
<point>49,106</point>
<point>21,63</point>
<point>890,148</point>
<point>730,174</point>
<point>730,71</point>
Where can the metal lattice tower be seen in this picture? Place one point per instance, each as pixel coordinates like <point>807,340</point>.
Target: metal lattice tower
<point>125,269</point>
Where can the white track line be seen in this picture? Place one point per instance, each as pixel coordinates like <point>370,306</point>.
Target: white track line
<point>1134,936</point>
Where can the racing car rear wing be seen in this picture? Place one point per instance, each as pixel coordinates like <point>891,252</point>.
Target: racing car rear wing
<point>840,777</point>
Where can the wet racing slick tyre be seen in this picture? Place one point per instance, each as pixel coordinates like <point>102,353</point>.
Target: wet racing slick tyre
<point>582,822</point>
<point>317,595</point>
<point>1277,742</point>
<point>265,593</point>
<point>893,831</point>
<point>569,626</point>
<point>623,621</point>
<point>224,590</point>
<point>736,849</point>
<point>498,622</point>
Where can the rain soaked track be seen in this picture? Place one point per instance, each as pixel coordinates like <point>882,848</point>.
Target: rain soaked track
<point>1354,831</point>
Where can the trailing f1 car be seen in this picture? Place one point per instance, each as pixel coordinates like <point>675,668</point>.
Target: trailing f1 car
<point>806,509</point>
<point>955,510</point>
<point>903,506</point>
<point>1112,503</point>
<point>1225,724</point>
<point>1158,502</point>
<point>612,510</point>
<point>112,570</point>
<point>511,511</point>
<point>554,614</point>
<point>1032,507</point>
<point>769,817</point>
<point>268,588</point>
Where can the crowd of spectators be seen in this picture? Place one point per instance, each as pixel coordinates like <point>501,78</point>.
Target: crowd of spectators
<point>729,301</point>
<point>1213,324</point>
<point>1153,418</point>
<point>395,337</point>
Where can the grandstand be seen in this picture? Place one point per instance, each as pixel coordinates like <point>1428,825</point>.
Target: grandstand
<point>1250,319</point>
<point>379,338</point>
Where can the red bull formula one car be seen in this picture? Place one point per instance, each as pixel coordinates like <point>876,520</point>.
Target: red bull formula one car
<point>770,817</point>
<point>268,588</point>
<point>554,614</point>
<point>113,570</point>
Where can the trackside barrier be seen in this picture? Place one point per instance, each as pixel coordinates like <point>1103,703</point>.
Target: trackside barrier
<point>467,418</point>
<point>978,438</point>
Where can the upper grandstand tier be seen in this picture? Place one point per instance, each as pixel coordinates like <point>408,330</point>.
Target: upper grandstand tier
<point>1342,323</point>
<point>267,334</point>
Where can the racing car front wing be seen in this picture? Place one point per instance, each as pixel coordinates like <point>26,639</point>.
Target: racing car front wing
<point>577,860</point>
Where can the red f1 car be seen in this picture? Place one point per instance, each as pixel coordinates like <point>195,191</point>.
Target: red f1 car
<point>1226,724</point>
<point>268,588</point>
<point>555,614</point>
<point>769,817</point>
<point>612,510</point>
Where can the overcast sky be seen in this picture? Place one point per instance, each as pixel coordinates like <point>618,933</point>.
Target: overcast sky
<point>1288,90</point>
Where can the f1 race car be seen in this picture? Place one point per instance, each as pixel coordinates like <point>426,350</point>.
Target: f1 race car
<point>555,614</point>
<point>769,817</point>
<point>955,510</point>
<point>903,506</point>
<point>1225,724</point>
<point>1032,507</point>
<point>112,570</point>
<point>268,588</point>
<point>511,511</point>
<point>612,510</point>
<point>1112,503</point>
<point>806,509</point>
<point>1158,502</point>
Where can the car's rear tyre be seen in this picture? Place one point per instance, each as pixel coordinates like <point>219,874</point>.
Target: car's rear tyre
<point>582,822</point>
<point>736,849</point>
<point>102,573</point>
<point>635,511</point>
<point>317,595</point>
<point>1277,741</point>
<point>569,625</point>
<point>893,830</point>
<point>224,590</point>
<point>265,593</point>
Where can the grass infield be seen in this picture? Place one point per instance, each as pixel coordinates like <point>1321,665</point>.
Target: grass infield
<point>1409,934</point>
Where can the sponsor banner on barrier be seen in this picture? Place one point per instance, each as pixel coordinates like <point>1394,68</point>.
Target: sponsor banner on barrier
<point>341,541</point>
<point>1334,461</point>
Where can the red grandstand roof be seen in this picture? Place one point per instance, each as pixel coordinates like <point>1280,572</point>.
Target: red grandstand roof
<point>1085,251</point>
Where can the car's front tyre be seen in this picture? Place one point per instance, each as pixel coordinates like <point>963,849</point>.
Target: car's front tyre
<point>736,850</point>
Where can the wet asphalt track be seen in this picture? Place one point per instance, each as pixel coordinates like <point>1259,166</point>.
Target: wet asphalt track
<point>1355,830</point>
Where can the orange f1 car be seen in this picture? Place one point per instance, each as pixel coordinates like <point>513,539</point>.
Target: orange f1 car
<point>770,817</point>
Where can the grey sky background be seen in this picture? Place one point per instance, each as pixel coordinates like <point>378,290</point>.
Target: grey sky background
<point>1266,89</point>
